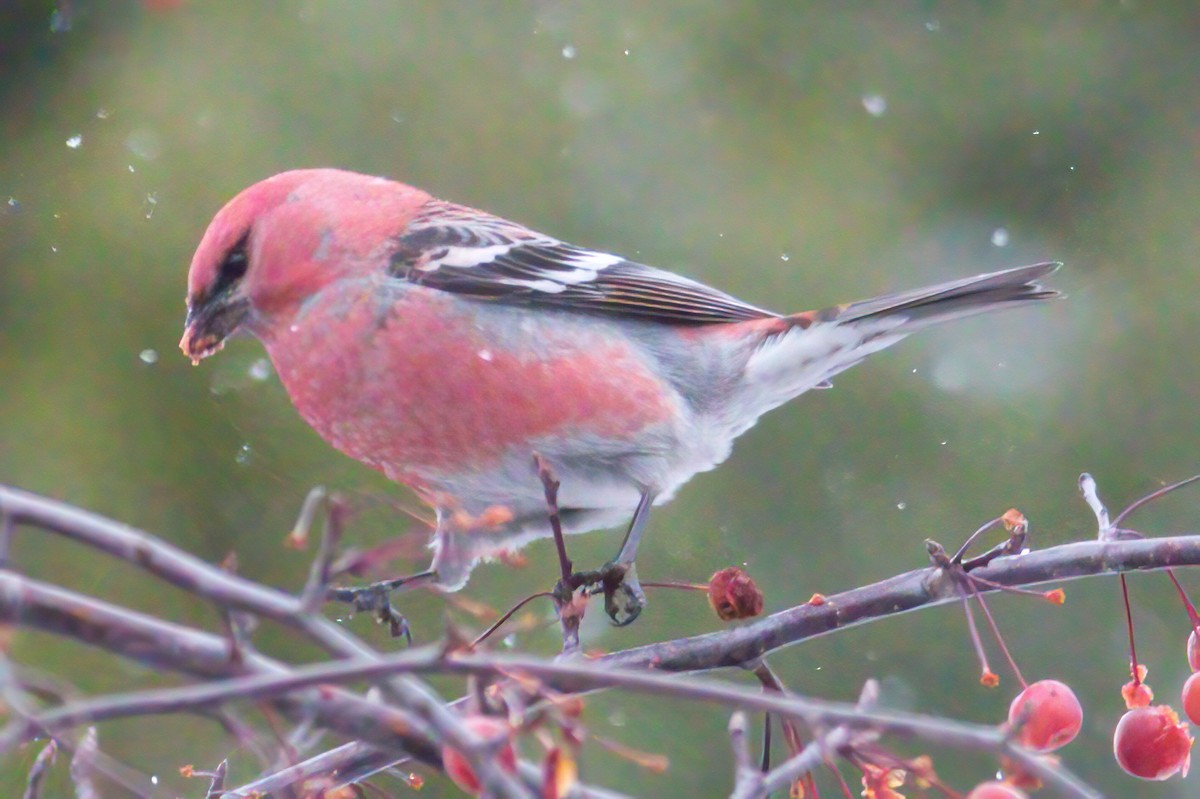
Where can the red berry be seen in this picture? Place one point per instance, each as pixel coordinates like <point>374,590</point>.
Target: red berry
<point>457,767</point>
<point>1191,698</point>
<point>996,790</point>
<point>1193,652</point>
<point>1150,743</point>
<point>1048,715</point>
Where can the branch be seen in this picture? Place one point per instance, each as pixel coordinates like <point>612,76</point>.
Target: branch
<point>574,676</point>
<point>226,590</point>
<point>916,589</point>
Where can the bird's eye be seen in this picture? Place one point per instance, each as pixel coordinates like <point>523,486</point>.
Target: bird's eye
<point>234,265</point>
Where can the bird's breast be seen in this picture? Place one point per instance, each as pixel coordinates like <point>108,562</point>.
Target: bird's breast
<point>427,387</point>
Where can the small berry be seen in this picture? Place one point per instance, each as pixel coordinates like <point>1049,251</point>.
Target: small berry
<point>1047,715</point>
<point>1150,743</point>
<point>1191,698</point>
<point>733,595</point>
<point>996,790</point>
<point>457,767</point>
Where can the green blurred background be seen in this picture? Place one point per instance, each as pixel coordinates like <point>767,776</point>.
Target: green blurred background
<point>794,154</point>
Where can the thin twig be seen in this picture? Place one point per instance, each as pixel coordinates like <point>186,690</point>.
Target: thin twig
<point>39,770</point>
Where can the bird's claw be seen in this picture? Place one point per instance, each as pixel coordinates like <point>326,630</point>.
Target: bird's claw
<point>376,598</point>
<point>623,595</point>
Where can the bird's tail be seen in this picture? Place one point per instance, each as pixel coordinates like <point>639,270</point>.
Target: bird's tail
<point>956,298</point>
<point>817,345</point>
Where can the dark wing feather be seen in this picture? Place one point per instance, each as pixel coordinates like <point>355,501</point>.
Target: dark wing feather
<point>466,252</point>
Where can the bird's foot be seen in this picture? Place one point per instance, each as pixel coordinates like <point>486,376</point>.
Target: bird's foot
<point>623,595</point>
<point>376,598</point>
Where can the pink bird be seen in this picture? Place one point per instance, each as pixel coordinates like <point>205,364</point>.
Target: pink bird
<point>445,346</point>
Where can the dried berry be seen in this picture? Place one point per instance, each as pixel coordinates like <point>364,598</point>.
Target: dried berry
<point>733,595</point>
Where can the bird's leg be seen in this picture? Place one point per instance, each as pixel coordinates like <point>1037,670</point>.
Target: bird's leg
<point>623,595</point>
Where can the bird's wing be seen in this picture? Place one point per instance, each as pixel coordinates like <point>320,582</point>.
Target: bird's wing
<point>467,252</point>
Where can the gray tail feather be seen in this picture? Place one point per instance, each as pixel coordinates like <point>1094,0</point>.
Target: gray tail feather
<point>958,298</point>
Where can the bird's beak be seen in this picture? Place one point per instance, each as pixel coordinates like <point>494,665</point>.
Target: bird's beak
<point>209,322</point>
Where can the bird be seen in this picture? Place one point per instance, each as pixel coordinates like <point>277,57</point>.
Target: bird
<point>446,347</point>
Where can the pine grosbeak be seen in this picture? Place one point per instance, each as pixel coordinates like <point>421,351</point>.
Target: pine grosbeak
<point>445,346</point>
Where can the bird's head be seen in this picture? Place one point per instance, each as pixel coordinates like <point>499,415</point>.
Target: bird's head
<point>282,240</point>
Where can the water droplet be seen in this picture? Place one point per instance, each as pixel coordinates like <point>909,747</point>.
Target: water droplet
<point>627,52</point>
<point>294,329</point>
<point>875,104</point>
<point>999,237</point>
<point>144,143</point>
<point>131,169</point>
<point>485,355</point>
<point>102,113</point>
<point>568,52</point>
<point>150,204</point>
<point>149,356</point>
<point>53,248</point>
<point>60,21</point>
<point>1037,133</point>
<point>933,26</point>
<point>943,443</point>
<point>75,141</point>
<point>901,505</point>
<point>260,370</point>
<point>509,641</point>
<point>1071,167</point>
<point>785,257</point>
<point>243,455</point>
<point>154,779</point>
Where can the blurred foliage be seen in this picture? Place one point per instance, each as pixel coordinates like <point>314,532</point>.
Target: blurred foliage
<point>795,154</point>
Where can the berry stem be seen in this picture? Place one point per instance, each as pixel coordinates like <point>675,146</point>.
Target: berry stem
<point>508,614</point>
<point>1153,496</point>
<point>987,614</point>
<point>1193,616</point>
<point>1136,672</point>
<point>962,550</point>
<point>976,641</point>
<point>675,584</point>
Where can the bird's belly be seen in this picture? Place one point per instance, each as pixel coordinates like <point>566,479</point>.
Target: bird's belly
<point>436,396</point>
